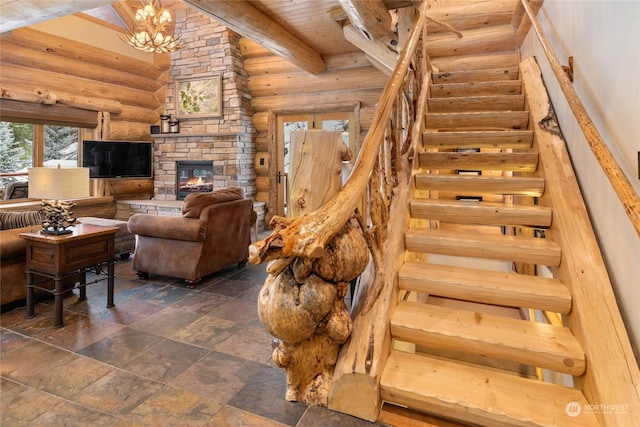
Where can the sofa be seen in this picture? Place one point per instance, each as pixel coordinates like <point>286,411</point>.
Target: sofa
<point>16,190</point>
<point>213,232</point>
<point>13,254</point>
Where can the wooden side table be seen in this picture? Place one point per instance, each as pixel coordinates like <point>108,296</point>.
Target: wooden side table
<point>56,257</point>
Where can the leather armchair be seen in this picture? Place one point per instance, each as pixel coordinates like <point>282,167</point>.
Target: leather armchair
<point>214,232</point>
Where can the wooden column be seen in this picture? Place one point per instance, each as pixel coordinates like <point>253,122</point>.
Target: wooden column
<point>302,301</point>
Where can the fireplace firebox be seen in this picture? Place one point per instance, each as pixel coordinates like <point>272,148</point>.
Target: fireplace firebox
<point>193,177</point>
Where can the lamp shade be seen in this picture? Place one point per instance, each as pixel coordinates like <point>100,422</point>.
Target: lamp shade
<point>58,183</point>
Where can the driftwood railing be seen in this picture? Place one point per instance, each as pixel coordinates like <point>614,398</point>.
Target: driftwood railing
<point>305,247</point>
<point>620,183</point>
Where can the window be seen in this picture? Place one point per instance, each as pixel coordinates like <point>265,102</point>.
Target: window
<point>23,145</point>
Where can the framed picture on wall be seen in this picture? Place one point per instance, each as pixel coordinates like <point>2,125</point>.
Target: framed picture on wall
<point>199,97</point>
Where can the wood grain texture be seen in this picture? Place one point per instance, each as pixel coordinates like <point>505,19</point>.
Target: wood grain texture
<point>535,344</point>
<point>595,319</point>
<point>486,213</point>
<point>477,395</point>
<point>483,245</point>
<point>485,286</point>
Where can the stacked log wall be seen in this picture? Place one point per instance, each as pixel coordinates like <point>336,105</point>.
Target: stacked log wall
<point>35,61</point>
<point>276,86</point>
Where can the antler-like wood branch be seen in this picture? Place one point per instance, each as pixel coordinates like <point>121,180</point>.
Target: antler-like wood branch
<point>306,236</point>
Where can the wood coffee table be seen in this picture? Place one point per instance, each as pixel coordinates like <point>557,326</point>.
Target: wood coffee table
<point>57,257</point>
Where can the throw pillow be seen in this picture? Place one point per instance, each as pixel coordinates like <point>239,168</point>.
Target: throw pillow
<point>195,202</point>
<point>11,220</point>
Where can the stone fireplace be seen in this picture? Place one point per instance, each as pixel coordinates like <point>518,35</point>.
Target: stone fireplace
<point>226,141</point>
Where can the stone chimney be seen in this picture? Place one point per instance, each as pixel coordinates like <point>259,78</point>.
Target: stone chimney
<point>211,49</point>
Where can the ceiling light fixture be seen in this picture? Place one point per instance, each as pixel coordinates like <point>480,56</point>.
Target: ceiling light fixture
<point>153,30</point>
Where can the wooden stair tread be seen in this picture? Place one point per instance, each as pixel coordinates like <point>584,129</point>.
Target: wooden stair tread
<point>478,119</point>
<point>465,184</point>
<point>471,15</point>
<point>485,286</point>
<point>536,344</point>
<point>499,37</point>
<point>468,212</point>
<point>500,87</point>
<point>477,103</point>
<point>477,68</point>
<point>478,139</point>
<point>517,162</point>
<point>476,395</point>
<point>481,245</point>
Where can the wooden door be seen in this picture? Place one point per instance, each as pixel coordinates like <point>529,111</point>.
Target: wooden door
<point>340,121</point>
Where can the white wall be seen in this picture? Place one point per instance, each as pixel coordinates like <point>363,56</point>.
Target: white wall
<point>86,31</point>
<point>603,36</point>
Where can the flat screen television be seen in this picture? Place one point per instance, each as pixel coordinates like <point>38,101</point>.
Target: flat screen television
<point>118,159</point>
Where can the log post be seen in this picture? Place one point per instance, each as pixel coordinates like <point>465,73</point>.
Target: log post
<point>316,164</point>
<point>302,300</point>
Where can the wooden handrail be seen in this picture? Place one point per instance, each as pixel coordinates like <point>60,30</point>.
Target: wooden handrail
<point>308,235</point>
<point>621,184</point>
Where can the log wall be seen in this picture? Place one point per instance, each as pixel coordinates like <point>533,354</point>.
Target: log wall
<point>276,86</point>
<point>127,94</point>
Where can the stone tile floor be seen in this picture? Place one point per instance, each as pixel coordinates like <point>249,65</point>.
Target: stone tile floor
<point>165,355</point>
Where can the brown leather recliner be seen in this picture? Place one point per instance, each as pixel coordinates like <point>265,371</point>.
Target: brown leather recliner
<point>213,232</point>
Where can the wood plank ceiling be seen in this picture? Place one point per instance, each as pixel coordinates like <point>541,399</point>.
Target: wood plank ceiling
<point>310,21</point>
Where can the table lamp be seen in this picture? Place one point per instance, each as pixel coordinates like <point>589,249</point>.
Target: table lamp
<point>55,186</point>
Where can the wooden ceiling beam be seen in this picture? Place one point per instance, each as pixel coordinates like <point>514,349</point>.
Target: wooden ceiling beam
<point>372,18</point>
<point>377,52</point>
<point>246,20</point>
<point>127,16</point>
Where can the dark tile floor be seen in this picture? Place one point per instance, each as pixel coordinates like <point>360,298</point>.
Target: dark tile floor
<point>165,355</point>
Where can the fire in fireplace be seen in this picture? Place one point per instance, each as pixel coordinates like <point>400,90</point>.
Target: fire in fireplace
<point>193,177</point>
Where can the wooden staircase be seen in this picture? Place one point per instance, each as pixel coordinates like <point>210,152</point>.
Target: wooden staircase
<point>464,310</point>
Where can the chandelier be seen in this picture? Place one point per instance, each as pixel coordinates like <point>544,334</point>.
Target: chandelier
<point>153,30</point>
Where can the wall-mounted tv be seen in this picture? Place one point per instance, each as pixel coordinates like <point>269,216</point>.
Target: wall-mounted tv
<point>118,159</point>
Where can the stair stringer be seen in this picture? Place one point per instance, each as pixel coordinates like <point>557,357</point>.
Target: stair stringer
<point>595,318</point>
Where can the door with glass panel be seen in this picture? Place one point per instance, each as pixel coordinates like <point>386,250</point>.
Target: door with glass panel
<point>340,121</point>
